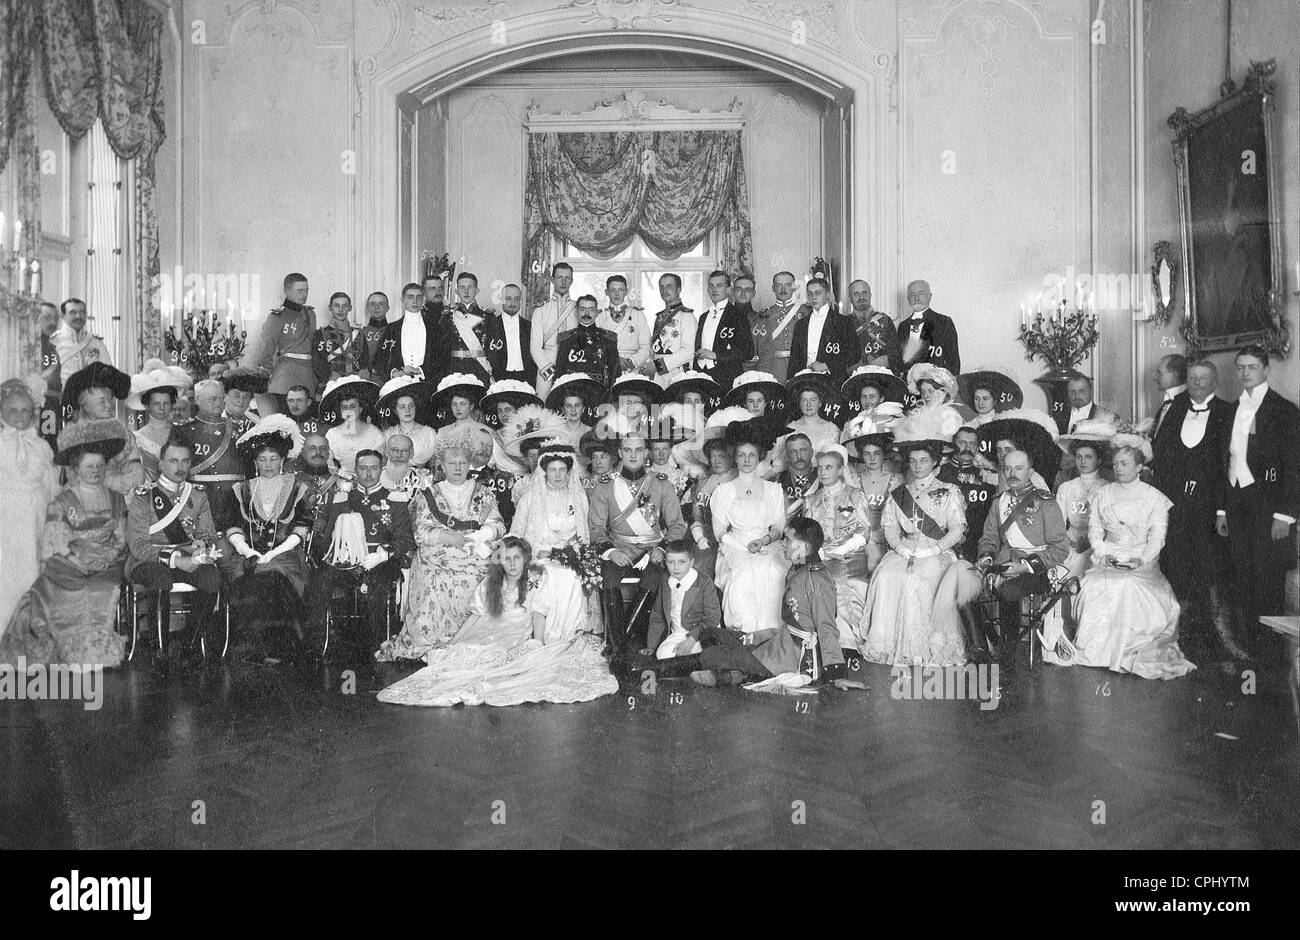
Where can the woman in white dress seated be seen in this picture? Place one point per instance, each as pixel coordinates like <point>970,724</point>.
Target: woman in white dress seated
<point>912,609</point>
<point>808,392</point>
<point>397,412</point>
<point>1089,446</point>
<point>748,519</point>
<point>1128,615</point>
<point>524,642</point>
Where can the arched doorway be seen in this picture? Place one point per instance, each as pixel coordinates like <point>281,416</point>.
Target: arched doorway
<point>387,249</point>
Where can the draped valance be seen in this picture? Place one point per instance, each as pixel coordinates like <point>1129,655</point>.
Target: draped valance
<point>598,191</point>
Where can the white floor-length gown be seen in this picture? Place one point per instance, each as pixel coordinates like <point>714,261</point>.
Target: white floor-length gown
<point>752,583</point>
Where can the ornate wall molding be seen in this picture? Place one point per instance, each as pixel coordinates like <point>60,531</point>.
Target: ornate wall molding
<point>634,111</point>
<point>820,17</point>
<point>626,14</point>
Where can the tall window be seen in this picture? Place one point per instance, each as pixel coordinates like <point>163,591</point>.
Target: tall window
<point>642,268</point>
<point>108,288</point>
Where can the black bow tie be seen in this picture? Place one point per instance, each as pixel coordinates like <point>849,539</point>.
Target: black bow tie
<point>1203,408</point>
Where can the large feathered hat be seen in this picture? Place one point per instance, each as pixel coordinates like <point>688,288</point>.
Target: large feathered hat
<point>279,432</point>
<point>105,436</point>
<point>922,427</point>
<point>531,422</point>
<point>475,438</point>
<point>935,375</point>
<point>156,376</point>
<point>513,391</point>
<point>1090,431</point>
<point>864,430</point>
<point>402,386</point>
<point>634,383</point>
<point>690,381</point>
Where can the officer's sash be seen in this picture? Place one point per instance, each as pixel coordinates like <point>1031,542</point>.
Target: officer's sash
<point>446,519</point>
<point>169,512</point>
<point>785,321</point>
<point>1014,536</point>
<point>627,499</point>
<point>926,523</point>
<point>347,344</point>
<point>219,452</point>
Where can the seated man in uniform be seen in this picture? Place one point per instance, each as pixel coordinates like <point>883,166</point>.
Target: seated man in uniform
<point>632,516</point>
<point>171,535</point>
<point>1025,535</point>
<point>363,534</point>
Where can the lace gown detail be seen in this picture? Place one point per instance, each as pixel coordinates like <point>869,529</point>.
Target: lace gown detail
<point>1128,620</point>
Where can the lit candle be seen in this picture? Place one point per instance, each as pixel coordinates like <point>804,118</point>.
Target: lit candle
<point>189,302</point>
<point>18,234</point>
<point>36,278</point>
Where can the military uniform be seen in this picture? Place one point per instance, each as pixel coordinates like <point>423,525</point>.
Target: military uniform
<point>337,352</point>
<point>217,463</point>
<point>590,350</point>
<point>773,331</point>
<point>287,339</point>
<point>628,323</point>
<point>979,489</point>
<point>633,515</point>
<point>1027,526</point>
<point>368,339</point>
<point>795,486</point>
<point>808,618</point>
<point>672,343</point>
<point>164,523</point>
<point>385,515</point>
<point>76,351</point>
<point>548,322</point>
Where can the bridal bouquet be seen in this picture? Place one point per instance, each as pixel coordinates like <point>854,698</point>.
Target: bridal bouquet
<point>582,560</point>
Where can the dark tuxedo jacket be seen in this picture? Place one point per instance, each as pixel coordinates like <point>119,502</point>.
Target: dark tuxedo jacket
<point>1272,453</point>
<point>494,329</point>
<point>445,338</point>
<point>389,355</point>
<point>838,348</point>
<point>1171,468</point>
<point>938,341</point>
<point>733,342</point>
<point>700,609</point>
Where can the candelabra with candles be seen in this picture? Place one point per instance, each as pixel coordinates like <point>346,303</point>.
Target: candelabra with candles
<point>18,273</point>
<point>1062,338</point>
<point>203,339</point>
<point>442,266</point>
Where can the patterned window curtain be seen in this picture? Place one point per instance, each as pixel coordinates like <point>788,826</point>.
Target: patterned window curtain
<point>103,59</point>
<point>599,191</point>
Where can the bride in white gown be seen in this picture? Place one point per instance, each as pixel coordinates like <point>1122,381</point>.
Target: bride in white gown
<point>528,638</point>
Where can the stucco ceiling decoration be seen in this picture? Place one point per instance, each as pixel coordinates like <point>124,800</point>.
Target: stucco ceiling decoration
<point>436,22</point>
<point>626,14</point>
<point>820,19</point>
<point>634,111</point>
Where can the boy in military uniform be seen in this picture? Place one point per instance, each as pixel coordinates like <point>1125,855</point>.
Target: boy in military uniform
<point>286,345</point>
<point>627,322</point>
<point>337,347</point>
<point>587,348</point>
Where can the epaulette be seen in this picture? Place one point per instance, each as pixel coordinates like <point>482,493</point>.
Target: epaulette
<point>684,309</point>
<point>564,333</point>
<point>143,489</point>
<point>634,307</point>
<point>488,311</point>
<point>1045,495</point>
<point>399,496</point>
<point>661,475</point>
<point>609,333</point>
<point>197,487</point>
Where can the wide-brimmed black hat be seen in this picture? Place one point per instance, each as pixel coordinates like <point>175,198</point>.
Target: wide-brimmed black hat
<point>634,383</point>
<point>697,382</point>
<point>342,388</point>
<point>761,432</point>
<point>1032,431</point>
<point>253,381</point>
<point>106,436</point>
<point>584,386</point>
<point>1007,395</point>
<point>753,381</point>
<point>892,388</point>
<point>95,375</point>
<point>400,387</point>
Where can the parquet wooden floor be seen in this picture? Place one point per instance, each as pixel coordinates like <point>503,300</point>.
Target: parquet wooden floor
<point>280,758</point>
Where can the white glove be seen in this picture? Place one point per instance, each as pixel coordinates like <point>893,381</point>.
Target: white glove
<point>641,562</point>
<point>242,547</point>
<point>375,558</point>
<point>482,549</point>
<point>702,544</point>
